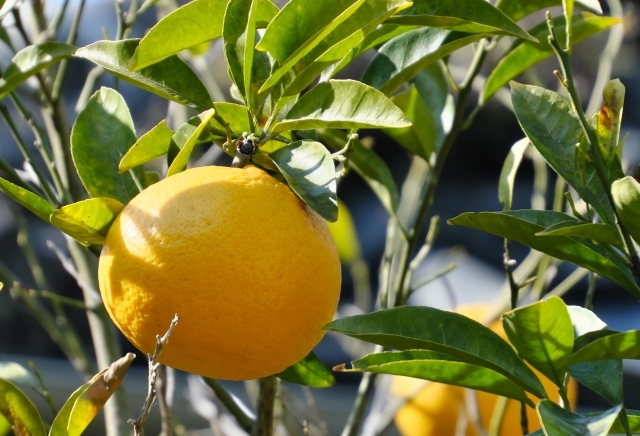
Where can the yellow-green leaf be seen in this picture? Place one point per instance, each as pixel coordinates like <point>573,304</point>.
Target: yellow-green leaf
<point>28,199</point>
<point>153,144</point>
<point>19,411</point>
<point>186,140</point>
<point>87,221</point>
<point>345,235</point>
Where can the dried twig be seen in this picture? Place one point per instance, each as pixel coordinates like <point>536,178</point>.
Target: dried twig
<point>154,365</point>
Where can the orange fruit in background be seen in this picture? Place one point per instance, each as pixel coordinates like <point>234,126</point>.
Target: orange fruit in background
<point>433,408</point>
<point>252,271</point>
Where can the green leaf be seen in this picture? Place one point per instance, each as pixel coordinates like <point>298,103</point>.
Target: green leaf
<point>474,16</point>
<point>18,409</point>
<point>517,9</point>
<point>186,138</point>
<point>440,368</point>
<point>87,221</point>
<point>557,421</point>
<point>36,204</point>
<point>151,177</point>
<point>524,54</point>
<point>101,135</point>
<point>406,328</point>
<point>634,422</point>
<point>548,120</point>
<point>373,170</point>
<point>603,377</point>
<point>625,345</point>
<point>151,145</point>
<point>171,78</point>
<point>584,321</point>
<point>420,137</point>
<point>309,371</point>
<point>609,120</point>
<point>194,23</point>
<point>5,426</point>
<point>275,33</point>
<point>542,334</point>
<point>509,170</point>
<point>345,235</point>
<point>308,168</point>
<point>85,403</point>
<point>30,61</point>
<point>340,43</point>
<point>342,104</point>
<point>603,233</point>
<point>522,226</point>
<point>403,57</point>
<point>432,86</point>
<point>626,197</point>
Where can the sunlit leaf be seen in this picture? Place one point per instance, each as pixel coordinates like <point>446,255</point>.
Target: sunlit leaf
<point>345,235</point>
<point>19,411</point>
<point>309,371</point>
<point>599,232</point>
<point>557,421</point>
<point>509,170</point>
<point>87,221</point>
<point>625,345</point>
<point>517,9</point>
<point>609,119</point>
<point>186,138</point>
<point>626,197</point>
<point>36,204</point>
<point>151,145</point>
<point>18,374</point>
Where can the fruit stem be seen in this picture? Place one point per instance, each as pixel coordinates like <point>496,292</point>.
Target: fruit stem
<point>266,400</point>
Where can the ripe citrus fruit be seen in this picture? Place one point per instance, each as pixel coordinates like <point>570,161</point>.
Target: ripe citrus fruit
<point>252,271</point>
<point>432,409</point>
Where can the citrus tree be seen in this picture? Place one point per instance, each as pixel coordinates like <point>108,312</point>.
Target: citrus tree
<point>232,273</point>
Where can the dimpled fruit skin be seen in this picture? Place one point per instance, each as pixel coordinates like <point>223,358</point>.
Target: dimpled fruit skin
<point>252,271</point>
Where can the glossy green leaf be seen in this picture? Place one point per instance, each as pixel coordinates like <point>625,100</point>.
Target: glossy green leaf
<point>406,328</point>
<point>548,120</point>
<point>557,421</point>
<point>31,60</point>
<point>342,104</point>
<point>340,43</point>
<point>625,345</point>
<point>101,135</point>
<point>604,233</point>
<point>517,9</point>
<point>369,166</point>
<point>309,170</point>
<point>542,334</point>
<point>87,221</point>
<point>474,16</point>
<point>345,235</point>
<point>85,403</point>
<point>509,170</point>
<point>151,145</point>
<point>18,409</point>
<point>626,197</point>
<point>194,23</point>
<point>186,138</point>
<point>432,86</point>
<point>522,226</point>
<point>170,78</point>
<point>602,376</point>
<point>309,371</point>
<point>15,373</point>
<point>441,368</point>
<point>403,57</point>
<point>308,45</point>
<point>36,204</point>
<point>524,54</point>
<point>420,137</point>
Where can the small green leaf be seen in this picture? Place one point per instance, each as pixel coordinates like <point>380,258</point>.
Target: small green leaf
<point>18,409</point>
<point>625,345</point>
<point>194,23</point>
<point>626,197</point>
<point>603,233</point>
<point>426,328</point>
<point>373,170</point>
<point>36,204</point>
<point>543,335</point>
<point>431,84</point>
<point>523,225</point>
<point>345,235</point>
<point>517,9</point>
<point>342,104</point>
<point>440,368</point>
<point>31,60</point>
<point>85,403</point>
<point>151,145</point>
<point>171,78</point>
<point>634,422</point>
<point>87,221</point>
<point>101,136</point>
<point>557,421</point>
<point>420,137</point>
<point>309,371</point>
<point>524,54</point>
<point>549,121</point>
<point>609,120</point>
<point>509,170</point>
<point>186,138</point>
<point>403,57</point>
<point>309,170</point>
<point>475,16</point>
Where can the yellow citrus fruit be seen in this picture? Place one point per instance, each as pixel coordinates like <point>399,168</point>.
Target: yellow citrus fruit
<point>252,271</point>
<point>433,408</point>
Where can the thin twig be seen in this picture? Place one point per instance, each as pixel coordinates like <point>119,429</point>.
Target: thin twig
<point>161,341</point>
<point>227,399</point>
<point>45,392</point>
<point>161,393</point>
